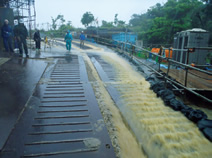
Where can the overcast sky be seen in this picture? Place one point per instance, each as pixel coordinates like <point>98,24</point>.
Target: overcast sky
<point>101,9</point>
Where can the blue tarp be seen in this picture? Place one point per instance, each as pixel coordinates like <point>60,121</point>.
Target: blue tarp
<point>130,37</point>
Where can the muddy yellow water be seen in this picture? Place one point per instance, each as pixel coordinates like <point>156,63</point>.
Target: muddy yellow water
<point>124,143</point>
<point>156,131</point>
<point>161,131</point>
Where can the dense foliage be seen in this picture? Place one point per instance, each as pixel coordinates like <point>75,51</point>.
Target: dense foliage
<point>59,27</point>
<point>87,19</point>
<point>113,24</point>
<point>159,24</point>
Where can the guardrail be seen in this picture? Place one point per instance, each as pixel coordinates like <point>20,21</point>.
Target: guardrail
<point>130,49</point>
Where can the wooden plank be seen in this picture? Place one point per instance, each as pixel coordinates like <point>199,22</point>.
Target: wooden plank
<point>196,79</point>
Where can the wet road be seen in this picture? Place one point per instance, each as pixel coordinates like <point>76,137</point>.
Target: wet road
<point>61,118</point>
<point>17,82</point>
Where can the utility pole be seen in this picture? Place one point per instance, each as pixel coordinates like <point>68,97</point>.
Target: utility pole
<point>125,37</point>
<point>30,24</point>
<point>97,26</point>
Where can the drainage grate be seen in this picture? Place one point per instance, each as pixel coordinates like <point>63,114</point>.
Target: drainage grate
<point>106,67</point>
<point>64,120</point>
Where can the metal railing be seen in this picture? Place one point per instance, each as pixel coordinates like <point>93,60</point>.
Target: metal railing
<point>128,49</point>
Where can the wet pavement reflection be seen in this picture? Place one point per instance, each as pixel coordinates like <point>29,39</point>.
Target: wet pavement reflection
<point>62,118</point>
<point>18,78</point>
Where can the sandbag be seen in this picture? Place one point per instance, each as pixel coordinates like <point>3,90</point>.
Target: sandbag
<point>204,123</point>
<point>151,80</point>
<point>196,115</point>
<point>166,95</point>
<point>140,69</point>
<point>186,111</point>
<point>157,87</point>
<point>208,133</point>
<point>176,104</point>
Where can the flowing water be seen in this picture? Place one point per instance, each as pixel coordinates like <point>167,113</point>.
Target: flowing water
<point>124,143</point>
<point>161,131</point>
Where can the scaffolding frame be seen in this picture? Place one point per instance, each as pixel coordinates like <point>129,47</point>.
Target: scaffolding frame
<point>25,10</point>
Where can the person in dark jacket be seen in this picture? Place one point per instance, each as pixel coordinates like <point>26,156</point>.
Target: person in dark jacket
<point>21,33</point>
<point>37,39</point>
<point>6,33</point>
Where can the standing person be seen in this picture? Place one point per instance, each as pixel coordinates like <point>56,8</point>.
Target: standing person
<point>82,39</point>
<point>15,40</point>
<point>46,42</point>
<point>133,49</point>
<point>68,39</point>
<point>6,33</point>
<point>21,34</point>
<point>37,39</point>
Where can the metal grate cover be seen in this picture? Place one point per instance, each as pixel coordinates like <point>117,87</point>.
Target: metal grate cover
<point>62,119</point>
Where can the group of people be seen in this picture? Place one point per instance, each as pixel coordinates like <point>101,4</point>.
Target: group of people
<point>19,33</point>
<point>69,38</point>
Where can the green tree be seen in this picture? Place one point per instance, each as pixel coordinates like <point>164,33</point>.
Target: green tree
<point>161,22</point>
<point>135,20</point>
<point>121,23</point>
<point>116,20</point>
<point>69,23</point>
<point>106,24</point>
<point>54,21</point>
<point>87,18</point>
<point>158,32</point>
<point>155,11</point>
<point>65,27</point>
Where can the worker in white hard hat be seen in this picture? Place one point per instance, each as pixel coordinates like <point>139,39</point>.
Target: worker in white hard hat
<point>6,33</point>
<point>15,40</point>
<point>21,34</point>
<point>82,39</point>
<point>15,22</point>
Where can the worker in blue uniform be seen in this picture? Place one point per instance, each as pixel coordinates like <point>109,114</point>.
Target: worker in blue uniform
<point>82,39</point>
<point>6,33</point>
<point>68,39</point>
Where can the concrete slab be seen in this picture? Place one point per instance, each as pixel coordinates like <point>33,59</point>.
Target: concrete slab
<point>62,118</point>
<point>3,60</point>
<point>18,79</point>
